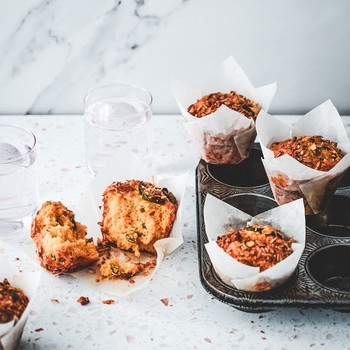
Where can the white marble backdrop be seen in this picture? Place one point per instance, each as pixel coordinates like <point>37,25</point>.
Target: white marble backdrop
<point>53,51</point>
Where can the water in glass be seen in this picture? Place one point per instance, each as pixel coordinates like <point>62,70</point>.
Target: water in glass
<point>114,122</point>
<point>18,182</point>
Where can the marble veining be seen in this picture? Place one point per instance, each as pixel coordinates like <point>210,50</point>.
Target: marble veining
<point>56,48</point>
<point>53,52</point>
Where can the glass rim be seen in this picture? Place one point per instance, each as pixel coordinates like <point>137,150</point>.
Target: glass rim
<point>147,107</point>
<point>24,154</point>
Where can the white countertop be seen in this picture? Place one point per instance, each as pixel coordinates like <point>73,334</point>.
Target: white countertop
<point>193,319</point>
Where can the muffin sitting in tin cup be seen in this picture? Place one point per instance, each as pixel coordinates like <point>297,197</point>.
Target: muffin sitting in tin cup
<point>256,245</point>
<point>220,117</point>
<point>307,161</point>
<point>254,253</point>
<point>223,149</point>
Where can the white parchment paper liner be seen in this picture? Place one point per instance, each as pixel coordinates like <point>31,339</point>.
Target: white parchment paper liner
<point>316,187</point>
<point>11,332</point>
<point>220,217</point>
<point>126,166</point>
<point>225,136</point>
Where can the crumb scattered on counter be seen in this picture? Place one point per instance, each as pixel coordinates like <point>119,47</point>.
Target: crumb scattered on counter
<point>165,301</point>
<point>83,300</point>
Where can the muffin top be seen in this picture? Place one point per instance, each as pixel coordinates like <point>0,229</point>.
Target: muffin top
<point>313,151</point>
<point>210,103</point>
<point>12,302</point>
<point>255,245</point>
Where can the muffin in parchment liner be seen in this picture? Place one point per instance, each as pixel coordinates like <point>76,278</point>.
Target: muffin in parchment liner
<point>289,219</point>
<point>121,217</point>
<point>291,179</point>
<point>28,284</point>
<point>90,211</point>
<point>223,135</point>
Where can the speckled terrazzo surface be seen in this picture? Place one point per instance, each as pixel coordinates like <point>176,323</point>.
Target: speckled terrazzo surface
<point>173,311</point>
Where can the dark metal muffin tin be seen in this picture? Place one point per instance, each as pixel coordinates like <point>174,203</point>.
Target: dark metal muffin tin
<point>322,279</point>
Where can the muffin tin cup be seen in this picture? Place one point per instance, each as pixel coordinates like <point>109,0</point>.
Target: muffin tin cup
<point>322,278</point>
<point>329,267</point>
<point>344,186</point>
<point>334,221</point>
<point>227,180</point>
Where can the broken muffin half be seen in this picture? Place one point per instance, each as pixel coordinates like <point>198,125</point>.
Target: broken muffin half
<point>136,214</point>
<point>61,242</point>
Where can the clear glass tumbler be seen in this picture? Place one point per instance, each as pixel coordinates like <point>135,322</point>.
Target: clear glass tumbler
<point>115,116</point>
<point>18,177</point>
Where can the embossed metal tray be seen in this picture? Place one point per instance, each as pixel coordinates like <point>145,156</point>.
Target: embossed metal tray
<point>322,279</point>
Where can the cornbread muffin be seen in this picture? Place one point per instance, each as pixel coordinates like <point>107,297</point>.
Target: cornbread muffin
<point>313,151</point>
<point>259,246</point>
<point>60,240</point>
<point>210,103</point>
<point>136,214</point>
<point>114,269</point>
<point>12,302</point>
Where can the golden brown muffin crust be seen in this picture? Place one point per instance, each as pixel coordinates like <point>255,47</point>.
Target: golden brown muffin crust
<point>210,103</point>
<point>259,246</point>
<point>313,151</point>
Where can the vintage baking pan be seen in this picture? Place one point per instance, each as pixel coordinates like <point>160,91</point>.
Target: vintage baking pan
<point>322,279</point>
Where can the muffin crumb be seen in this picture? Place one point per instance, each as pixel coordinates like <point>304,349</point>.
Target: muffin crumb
<point>83,300</point>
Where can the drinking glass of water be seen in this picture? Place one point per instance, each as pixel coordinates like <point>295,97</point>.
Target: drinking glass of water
<point>115,116</point>
<point>18,177</point>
